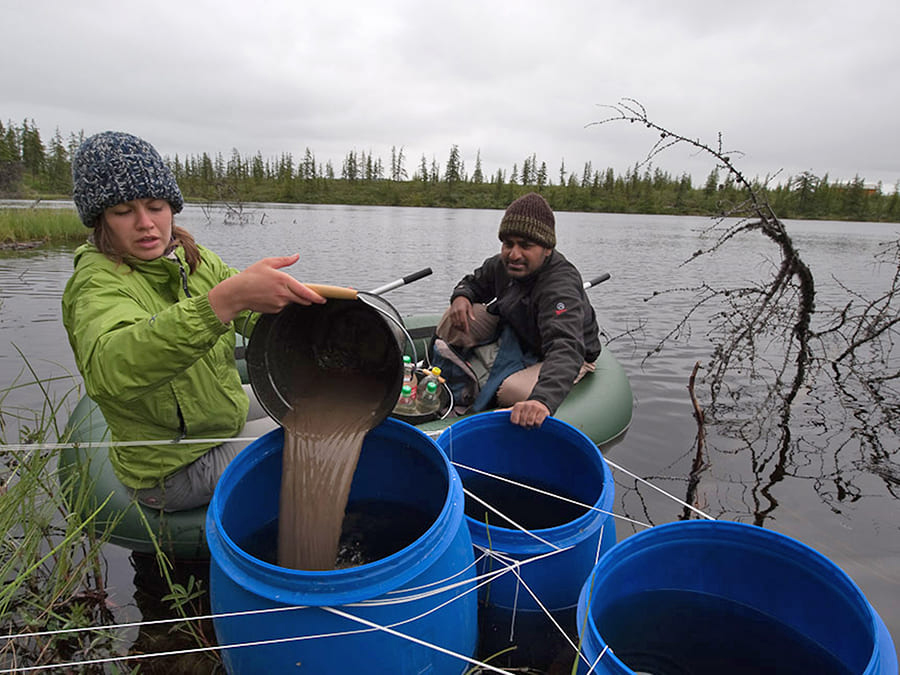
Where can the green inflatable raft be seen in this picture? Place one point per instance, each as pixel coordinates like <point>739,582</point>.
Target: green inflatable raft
<point>600,405</point>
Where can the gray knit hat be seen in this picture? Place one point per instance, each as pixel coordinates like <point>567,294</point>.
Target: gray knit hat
<point>112,167</point>
<point>531,217</point>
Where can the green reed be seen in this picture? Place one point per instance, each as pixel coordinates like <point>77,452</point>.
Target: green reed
<point>40,224</point>
<point>51,560</point>
<point>52,565</point>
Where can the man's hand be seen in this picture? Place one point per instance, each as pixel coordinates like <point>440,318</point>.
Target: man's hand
<point>461,313</point>
<point>529,414</point>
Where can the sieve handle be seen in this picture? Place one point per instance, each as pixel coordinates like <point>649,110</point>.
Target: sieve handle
<point>336,292</point>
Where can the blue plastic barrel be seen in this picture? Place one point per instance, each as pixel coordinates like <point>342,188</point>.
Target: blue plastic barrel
<point>423,590</point>
<point>559,459</point>
<point>723,597</point>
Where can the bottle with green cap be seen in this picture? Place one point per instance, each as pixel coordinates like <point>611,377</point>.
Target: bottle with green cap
<point>431,375</point>
<point>406,404</point>
<point>409,375</point>
<point>429,399</point>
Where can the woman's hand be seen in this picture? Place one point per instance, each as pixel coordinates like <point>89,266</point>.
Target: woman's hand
<point>263,288</point>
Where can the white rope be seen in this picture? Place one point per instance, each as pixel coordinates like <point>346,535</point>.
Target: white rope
<point>108,659</point>
<point>599,544</point>
<point>509,565</point>
<point>513,565</point>
<point>546,612</point>
<point>659,489</point>
<point>440,581</point>
<point>507,518</point>
<point>401,596</point>
<point>24,447</point>
<point>508,562</point>
<point>498,555</point>
<point>515,607</point>
<point>401,599</point>
<point>548,494</point>
<point>597,660</point>
<point>463,657</point>
<point>477,581</point>
<point>371,626</point>
<point>138,624</point>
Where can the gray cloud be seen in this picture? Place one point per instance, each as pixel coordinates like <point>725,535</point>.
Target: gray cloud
<point>795,86</point>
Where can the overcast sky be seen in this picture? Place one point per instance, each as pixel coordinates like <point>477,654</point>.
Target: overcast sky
<point>794,85</point>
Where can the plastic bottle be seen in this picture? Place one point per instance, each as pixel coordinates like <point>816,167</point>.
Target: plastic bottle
<point>429,400</point>
<point>409,375</point>
<point>406,404</point>
<point>432,375</point>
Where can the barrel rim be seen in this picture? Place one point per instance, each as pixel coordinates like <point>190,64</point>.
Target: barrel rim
<point>567,534</point>
<point>257,355</point>
<point>735,534</point>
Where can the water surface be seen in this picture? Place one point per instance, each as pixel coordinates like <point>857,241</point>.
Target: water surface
<point>365,247</point>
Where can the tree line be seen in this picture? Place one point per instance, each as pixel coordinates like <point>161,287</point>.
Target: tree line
<point>33,168</point>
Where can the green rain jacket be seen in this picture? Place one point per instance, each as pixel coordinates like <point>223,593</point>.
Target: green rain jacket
<point>154,357</point>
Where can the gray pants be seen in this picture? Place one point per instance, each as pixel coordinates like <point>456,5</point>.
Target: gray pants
<point>193,485</point>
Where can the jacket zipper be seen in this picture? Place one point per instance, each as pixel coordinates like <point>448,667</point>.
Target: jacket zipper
<point>184,279</point>
<point>182,432</point>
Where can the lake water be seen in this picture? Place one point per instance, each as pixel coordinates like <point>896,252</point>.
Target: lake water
<point>365,247</point>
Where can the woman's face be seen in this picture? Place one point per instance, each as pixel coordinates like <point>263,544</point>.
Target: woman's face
<point>141,228</point>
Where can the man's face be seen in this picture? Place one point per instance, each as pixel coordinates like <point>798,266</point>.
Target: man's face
<point>521,256</point>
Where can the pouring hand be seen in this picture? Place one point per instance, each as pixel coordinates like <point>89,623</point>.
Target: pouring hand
<point>262,287</point>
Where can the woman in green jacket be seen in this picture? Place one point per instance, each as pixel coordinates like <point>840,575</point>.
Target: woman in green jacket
<point>151,317</point>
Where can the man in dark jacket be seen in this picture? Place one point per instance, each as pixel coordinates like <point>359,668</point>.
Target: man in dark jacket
<point>531,293</point>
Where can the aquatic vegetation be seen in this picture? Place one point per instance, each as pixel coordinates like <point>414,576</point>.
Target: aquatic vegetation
<point>51,564</point>
<point>22,227</point>
<point>55,606</point>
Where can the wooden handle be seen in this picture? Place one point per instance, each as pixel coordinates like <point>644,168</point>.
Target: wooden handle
<point>336,292</point>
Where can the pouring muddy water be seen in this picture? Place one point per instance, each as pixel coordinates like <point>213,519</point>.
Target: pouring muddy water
<point>328,374</point>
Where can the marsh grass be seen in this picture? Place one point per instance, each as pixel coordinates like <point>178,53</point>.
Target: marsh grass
<point>20,225</point>
<point>53,572</point>
<point>50,562</point>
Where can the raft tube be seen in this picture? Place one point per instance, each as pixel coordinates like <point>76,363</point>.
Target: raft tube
<point>180,534</point>
<point>600,405</point>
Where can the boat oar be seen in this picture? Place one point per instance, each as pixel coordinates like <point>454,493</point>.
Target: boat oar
<point>408,279</point>
<point>597,280</point>
<point>344,293</point>
<point>587,284</point>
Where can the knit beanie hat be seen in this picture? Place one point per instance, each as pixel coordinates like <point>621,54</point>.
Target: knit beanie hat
<point>112,167</point>
<point>531,217</point>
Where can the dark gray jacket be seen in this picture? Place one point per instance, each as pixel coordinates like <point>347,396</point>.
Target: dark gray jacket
<point>550,314</point>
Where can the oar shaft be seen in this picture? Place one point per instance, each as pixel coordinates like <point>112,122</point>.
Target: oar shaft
<point>408,279</point>
<point>587,284</point>
<point>598,280</point>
